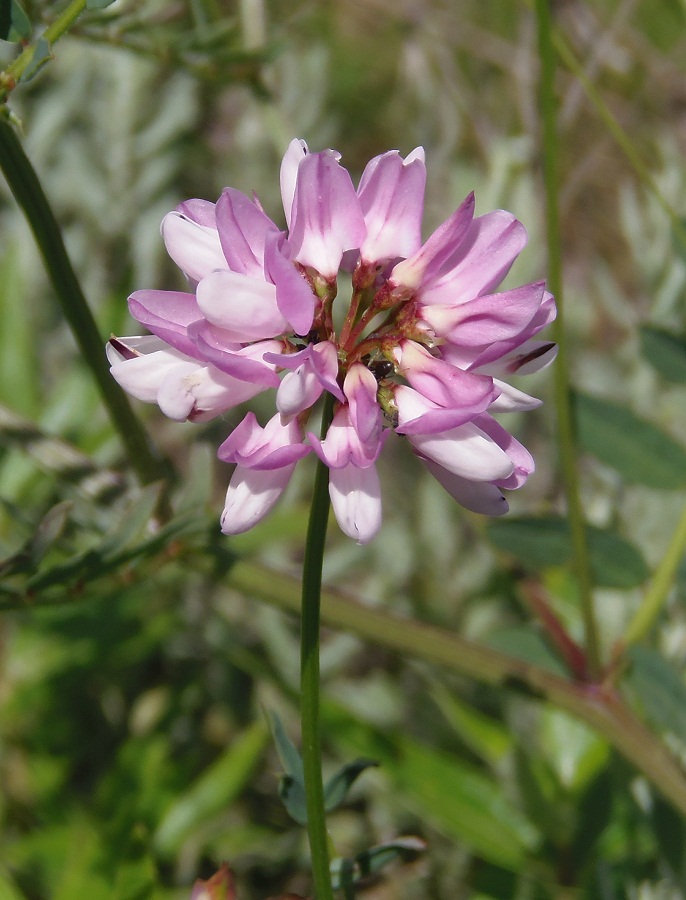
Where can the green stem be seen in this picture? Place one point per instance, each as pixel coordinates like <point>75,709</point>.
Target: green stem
<point>566,436</point>
<point>309,672</point>
<point>12,74</point>
<point>620,136</point>
<point>601,708</point>
<point>27,190</point>
<point>663,579</point>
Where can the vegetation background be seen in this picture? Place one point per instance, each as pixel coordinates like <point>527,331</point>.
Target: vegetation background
<point>136,665</point>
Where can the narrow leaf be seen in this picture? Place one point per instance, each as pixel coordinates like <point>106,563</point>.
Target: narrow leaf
<point>20,24</point>
<point>214,790</point>
<point>666,352</point>
<point>292,795</point>
<point>338,786</point>
<point>544,542</point>
<point>660,688</point>
<point>41,55</point>
<point>638,450</point>
<point>288,752</point>
<point>373,860</point>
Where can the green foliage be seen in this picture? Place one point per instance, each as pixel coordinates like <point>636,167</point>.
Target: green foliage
<point>637,449</point>
<point>660,689</point>
<point>133,753</point>
<point>15,25</point>
<point>545,541</point>
<point>666,352</point>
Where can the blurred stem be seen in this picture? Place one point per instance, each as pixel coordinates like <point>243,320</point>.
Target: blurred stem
<point>309,671</point>
<point>566,437</point>
<point>599,706</point>
<point>620,136</point>
<point>663,579</point>
<point>27,190</point>
<point>12,74</point>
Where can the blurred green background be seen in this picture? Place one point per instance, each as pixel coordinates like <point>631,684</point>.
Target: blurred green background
<point>134,750</point>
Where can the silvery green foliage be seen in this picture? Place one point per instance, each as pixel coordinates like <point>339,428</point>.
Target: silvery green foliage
<point>105,137</point>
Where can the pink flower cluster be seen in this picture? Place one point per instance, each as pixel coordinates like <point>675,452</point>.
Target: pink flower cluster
<point>421,348</point>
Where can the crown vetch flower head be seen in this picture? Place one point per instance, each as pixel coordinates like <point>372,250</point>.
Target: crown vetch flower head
<point>425,346</point>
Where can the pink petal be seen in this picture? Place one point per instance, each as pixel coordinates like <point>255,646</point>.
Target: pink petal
<point>294,295</point>
<point>532,356</point>
<point>298,391</point>
<point>195,248</point>
<point>251,495</point>
<point>142,376</point>
<point>356,499</point>
<point>466,451</point>
<point>512,400</point>
<point>477,496</point>
<point>243,231</point>
<point>245,308</point>
<point>343,445</point>
<point>480,263</point>
<point>202,212</point>
<point>391,193</point>
<point>272,447</point>
<point>244,363</point>
<point>486,319</point>
<point>360,388</point>
<point>444,384</point>
<point>326,216</point>
<point>294,155</point>
<point>522,460</point>
<point>442,244</point>
<point>167,314</point>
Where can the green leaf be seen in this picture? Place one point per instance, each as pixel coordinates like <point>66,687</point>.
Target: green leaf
<point>49,530</point>
<point>660,689</point>
<point>666,352</point>
<point>5,19</point>
<point>217,787</point>
<point>288,752</point>
<point>594,814</point>
<point>457,798</point>
<point>545,541</point>
<point>292,783</point>
<point>15,25</point>
<point>465,804</point>
<point>41,55</point>
<point>525,644</point>
<point>292,795</point>
<point>8,889</point>
<point>371,861</point>
<point>483,734</point>
<point>98,4</point>
<point>638,450</point>
<point>338,786</point>
<point>670,830</point>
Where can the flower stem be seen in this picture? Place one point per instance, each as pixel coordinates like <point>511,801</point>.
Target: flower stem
<point>309,671</point>
<point>27,190</point>
<point>566,436</point>
<point>598,705</point>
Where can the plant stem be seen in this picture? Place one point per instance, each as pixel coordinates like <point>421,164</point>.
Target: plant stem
<point>309,671</point>
<point>663,579</point>
<point>566,438</point>
<point>600,707</point>
<point>27,190</point>
<point>622,139</point>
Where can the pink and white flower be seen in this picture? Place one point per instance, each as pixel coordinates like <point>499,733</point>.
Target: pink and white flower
<point>258,314</point>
